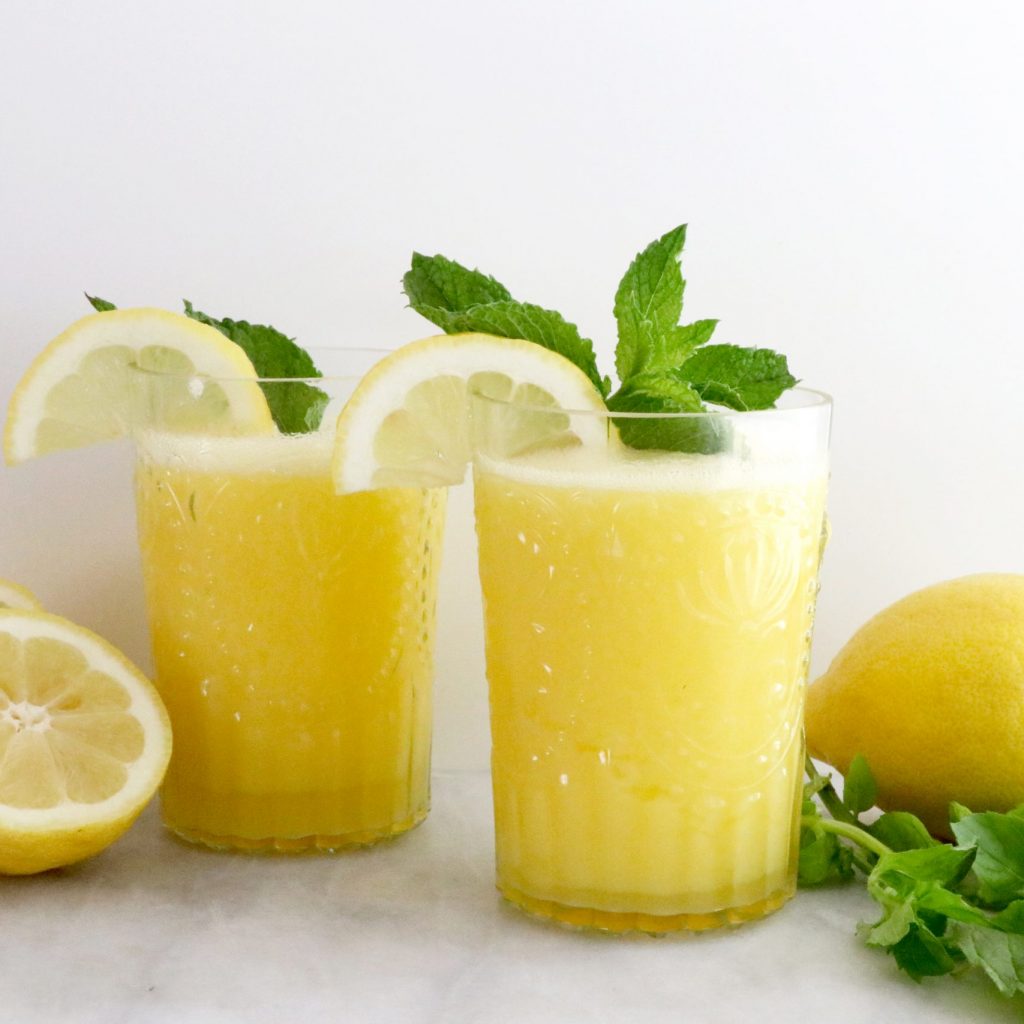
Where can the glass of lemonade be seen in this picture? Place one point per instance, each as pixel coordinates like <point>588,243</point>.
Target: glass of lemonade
<point>292,627</point>
<point>648,621</point>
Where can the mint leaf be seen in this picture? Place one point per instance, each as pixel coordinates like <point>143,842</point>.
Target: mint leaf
<point>958,811</point>
<point>893,926</point>
<point>648,304</point>
<point>900,872</point>
<point>437,283</point>
<point>297,407</point>
<point>999,864</point>
<point>1011,919</point>
<point>740,378</point>
<point>999,954</point>
<point>900,830</point>
<point>510,319</point>
<point>663,392</point>
<point>822,858</point>
<point>684,338</point>
<point>663,388</point>
<point>458,300</point>
<point>859,788</point>
<point>922,954</point>
<point>100,305</point>
<point>951,905</point>
<point>273,354</point>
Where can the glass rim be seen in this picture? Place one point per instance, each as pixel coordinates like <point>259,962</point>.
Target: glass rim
<point>811,399</point>
<point>188,375</point>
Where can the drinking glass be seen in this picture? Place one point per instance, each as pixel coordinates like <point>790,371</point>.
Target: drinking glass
<point>292,627</point>
<point>648,618</point>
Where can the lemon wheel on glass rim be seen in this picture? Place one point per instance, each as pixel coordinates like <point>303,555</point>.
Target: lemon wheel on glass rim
<point>77,391</point>
<point>407,423</point>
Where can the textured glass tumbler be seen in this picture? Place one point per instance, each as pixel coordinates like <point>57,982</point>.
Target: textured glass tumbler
<point>292,627</point>
<point>648,620</point>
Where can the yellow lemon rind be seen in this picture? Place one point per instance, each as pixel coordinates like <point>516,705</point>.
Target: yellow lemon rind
<point>33,840</point>
<point>211,353</point>
<point>385,387</point>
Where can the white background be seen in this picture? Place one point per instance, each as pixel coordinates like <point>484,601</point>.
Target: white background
<point>852,176</point>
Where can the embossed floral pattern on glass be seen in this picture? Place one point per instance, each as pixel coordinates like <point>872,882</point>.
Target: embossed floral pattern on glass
<point>648,623</point>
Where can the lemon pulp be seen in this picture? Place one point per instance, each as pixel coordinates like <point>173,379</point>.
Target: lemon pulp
<point>84,742</point>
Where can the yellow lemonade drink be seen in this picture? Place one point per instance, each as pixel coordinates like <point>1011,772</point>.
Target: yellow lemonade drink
<point>648,621</point>
<point>292,633</point>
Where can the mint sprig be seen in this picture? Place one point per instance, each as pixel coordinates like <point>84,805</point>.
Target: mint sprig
<point>663,366</point>
<point>648,305</point>
<point>945,907</point>
<point>297,407</point>
<point>459,300</point>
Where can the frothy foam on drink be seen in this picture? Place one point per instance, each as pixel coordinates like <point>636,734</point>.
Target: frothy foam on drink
<point>628,469</point>
<point>280,454</point>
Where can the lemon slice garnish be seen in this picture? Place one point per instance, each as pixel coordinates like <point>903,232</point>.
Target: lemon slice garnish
<point>77,391</point>
<point>407,423</point>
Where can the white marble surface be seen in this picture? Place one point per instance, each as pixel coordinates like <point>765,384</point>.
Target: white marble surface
<point>413,931</point>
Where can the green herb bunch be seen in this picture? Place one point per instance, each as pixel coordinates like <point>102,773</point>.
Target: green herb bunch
<point>945,907</point>
<point>663,366</point>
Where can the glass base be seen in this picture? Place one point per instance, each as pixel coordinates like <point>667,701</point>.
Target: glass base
<point>589,919</point>
<point>300,844</point>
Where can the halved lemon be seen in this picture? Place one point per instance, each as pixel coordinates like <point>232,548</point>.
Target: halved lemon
<point>77,391</point>
<point>407,423</point>
<point>14,595</point>
<point>84,742</point>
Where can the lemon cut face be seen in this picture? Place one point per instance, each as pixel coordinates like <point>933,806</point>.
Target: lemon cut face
<point>84,742</point>
<point>408,423</point>
<point>78,390</point>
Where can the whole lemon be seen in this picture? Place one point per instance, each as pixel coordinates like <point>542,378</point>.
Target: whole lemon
<point>931,692</point>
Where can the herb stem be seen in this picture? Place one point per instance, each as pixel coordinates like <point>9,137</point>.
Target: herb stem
<point>848,831</point>
<point>829,797</point>
<point>863,865</point>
